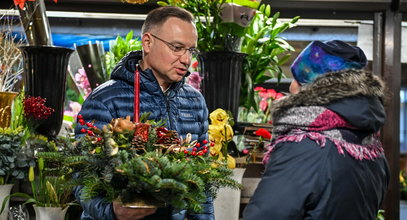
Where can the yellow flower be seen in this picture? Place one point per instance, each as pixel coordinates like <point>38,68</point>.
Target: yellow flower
<point>219,134</point>
<point>219,117</point>
<point>231,162</point>
<point>215,149</point>
<point>31,174</point>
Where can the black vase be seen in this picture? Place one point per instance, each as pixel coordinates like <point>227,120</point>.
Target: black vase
<point>45,76</point>
<point>221,72</point>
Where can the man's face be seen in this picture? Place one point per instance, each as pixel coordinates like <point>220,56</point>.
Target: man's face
<point>159,55</point>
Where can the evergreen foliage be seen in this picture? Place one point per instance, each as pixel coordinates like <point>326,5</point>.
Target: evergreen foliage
<point>122,161</point>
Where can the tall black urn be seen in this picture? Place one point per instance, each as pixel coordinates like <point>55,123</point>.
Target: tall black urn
<point>222,73</point>
<point>45,70</point>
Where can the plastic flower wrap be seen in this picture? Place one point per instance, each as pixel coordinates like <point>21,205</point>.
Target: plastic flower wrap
<point>145,161</point>
<point>220,134</point>
<point>82,82</point>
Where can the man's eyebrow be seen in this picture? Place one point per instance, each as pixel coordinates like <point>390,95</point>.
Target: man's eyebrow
<point>179,43</point>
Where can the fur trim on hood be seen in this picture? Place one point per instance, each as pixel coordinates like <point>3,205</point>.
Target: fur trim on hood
<point>331,87</point>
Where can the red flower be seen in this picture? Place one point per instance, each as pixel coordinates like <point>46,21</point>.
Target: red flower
<point>195,65</point>
<point>263,133</point>
<point>259,88</point>
<point>35,107</point>
<point>21,3</point>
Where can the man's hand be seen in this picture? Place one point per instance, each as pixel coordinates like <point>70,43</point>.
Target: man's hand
<point>125,213</point>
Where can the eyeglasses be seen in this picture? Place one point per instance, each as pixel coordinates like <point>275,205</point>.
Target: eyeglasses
<point>179,51</point>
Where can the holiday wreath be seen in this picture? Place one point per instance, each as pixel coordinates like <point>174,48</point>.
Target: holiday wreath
<point>145,161</point>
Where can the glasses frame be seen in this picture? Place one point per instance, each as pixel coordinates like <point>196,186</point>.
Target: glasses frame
<point>193,52</point>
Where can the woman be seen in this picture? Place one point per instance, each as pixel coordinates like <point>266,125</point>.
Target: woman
<point>325,160</point>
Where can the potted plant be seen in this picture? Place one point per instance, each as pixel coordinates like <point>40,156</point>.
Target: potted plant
<point>50,181</point>
<point>10,74</point>
<point>236,48</point>
<point>266,51</point>
<point>14,162</point>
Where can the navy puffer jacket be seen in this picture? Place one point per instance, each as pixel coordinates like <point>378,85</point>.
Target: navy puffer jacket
<point>182,108</point>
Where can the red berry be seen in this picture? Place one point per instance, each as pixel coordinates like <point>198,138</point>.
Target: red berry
<point>200,153</point>
<point>245,151</point>
<point>193,153</point>
<point>205,147</point>
<point>212,144</point>
<point>204,141</point>
<point>81,121</point>
<point>194,149</point>
<point>205,151</point>
<point>99,139</point>
<point>186,152</point>
<point>197,144</point>
<point>90,133</point>
<point>89,124</point>
<point>83,130</point>
<point>80,116</point>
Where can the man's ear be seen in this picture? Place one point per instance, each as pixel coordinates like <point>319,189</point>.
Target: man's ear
<point>146,42</point>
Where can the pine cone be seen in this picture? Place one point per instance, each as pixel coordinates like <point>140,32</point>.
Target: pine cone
<point>138,143</point>
<point>170,138</point>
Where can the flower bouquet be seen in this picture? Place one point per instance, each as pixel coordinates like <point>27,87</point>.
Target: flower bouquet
<point>38,159</point>
<point>148,163</point>
<point>220,134</point>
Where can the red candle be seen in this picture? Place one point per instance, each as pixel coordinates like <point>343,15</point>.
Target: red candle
<point>136,96</point>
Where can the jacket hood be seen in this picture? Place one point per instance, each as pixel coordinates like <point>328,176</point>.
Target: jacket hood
<point>126,67</point>
<point>356,95</point>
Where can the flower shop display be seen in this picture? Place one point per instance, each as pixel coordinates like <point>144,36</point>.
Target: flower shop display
<point>36,158</point>
<point>51,181</point>
<point>130,161</point>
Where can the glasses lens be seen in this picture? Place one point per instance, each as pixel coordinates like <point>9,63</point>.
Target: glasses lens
<point>194,52</point>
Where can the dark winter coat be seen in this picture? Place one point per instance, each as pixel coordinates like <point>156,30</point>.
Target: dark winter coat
<point>182,108</point>
<point>325,160</point>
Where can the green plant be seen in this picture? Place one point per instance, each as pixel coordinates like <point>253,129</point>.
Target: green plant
<point>380,215</point>
<point>119,49</point>
<point>213,33</point>
<point>13,162</point>
<point>130,161</point>
<point>51,181</point>
<point>266,51</point>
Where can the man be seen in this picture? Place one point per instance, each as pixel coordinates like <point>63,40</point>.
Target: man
<point>325,160</point>
<point>169,38</point>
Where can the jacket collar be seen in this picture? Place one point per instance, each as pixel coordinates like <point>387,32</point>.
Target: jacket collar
<point>127,66</point>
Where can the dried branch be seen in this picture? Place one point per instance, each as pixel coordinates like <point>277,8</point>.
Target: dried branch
<point>11,62</point>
